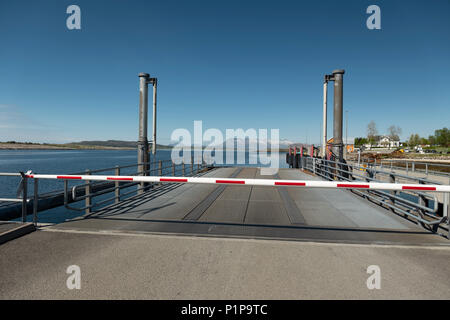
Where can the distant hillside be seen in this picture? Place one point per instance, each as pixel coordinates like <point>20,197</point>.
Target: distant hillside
<point>114,144</point>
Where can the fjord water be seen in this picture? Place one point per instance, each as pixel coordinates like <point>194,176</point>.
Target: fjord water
<point>74,161</point>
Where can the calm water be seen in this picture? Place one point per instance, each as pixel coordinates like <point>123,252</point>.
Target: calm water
<point>72,161</point>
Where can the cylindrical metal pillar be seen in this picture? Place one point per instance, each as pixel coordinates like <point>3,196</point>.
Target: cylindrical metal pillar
<point>143,156</point>
<point>338,147</point>
<point>324,128</point>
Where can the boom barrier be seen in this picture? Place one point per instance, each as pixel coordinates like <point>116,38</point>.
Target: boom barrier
<point>252,182</point>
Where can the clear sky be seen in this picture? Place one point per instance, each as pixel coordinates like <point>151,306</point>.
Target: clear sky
<point>233,64</point>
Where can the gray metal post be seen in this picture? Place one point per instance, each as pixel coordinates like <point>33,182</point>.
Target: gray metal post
<point>88,191</point>
<point>173,169</point>
<point>35,201</point>
<point>446,211</point>
<point>24,198</point>
<point>143,156</point>
<point>117,185</point>
<point>392,180</point>
<point>338,108</point>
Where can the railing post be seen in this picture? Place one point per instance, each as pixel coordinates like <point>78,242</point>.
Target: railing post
<point>426,169</point>
<point>192,165</point>
<point>117,186</point>
<point>413,165</point>
<point>88,189</point>
<point>173,169</point>
<point>446,211</point>
<point>24,198</point>
<point>183,170</point>
<point>35,201</point>
<point>393,192</point>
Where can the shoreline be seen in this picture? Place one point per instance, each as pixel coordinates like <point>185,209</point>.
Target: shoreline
<point>17,146</point>
<point>24,146</point>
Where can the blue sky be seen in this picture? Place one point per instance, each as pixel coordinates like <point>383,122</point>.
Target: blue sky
<point>233,64</point>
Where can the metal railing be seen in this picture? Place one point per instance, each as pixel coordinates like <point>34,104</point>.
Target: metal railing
<point>90,190</point>
<point>427,168</point>
<point>424,211</point>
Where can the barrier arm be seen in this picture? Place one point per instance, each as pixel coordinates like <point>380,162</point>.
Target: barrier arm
<point>252,182</point>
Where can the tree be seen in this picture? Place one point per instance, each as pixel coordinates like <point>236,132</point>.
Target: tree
<point>372,132</point>
<point>424,141</point>
<point>432,140</point>
<point>442,137</point>
<point>359,141</point>
<point>413,140</point>
<point>394,132</point>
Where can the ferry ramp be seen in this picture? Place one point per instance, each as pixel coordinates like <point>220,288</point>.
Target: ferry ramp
<point>256,212</point>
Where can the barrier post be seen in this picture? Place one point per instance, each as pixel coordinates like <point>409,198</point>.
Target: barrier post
<point>35,201</point>
<point>173,169</point>
<point>24,198</point>
<point>160,168</point>
<point>393,192</point>
<point>117,185</point>
<point>88,189</point>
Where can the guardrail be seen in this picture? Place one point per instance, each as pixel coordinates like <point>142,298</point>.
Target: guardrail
<point>420,211</point>
<point>88,191</point>
<point>427,168</point>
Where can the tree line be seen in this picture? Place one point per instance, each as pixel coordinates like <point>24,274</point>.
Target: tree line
<point>440,138</point>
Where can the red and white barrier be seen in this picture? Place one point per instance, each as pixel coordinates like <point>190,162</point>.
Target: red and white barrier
<point>254,182</point>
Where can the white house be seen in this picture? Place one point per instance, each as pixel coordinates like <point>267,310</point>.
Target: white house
<point>385,142</point>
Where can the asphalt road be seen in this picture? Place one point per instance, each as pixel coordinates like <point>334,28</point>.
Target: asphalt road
<point>144,266</point>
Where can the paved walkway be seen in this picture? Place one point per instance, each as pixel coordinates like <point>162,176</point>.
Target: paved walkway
<point>143,266</point>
